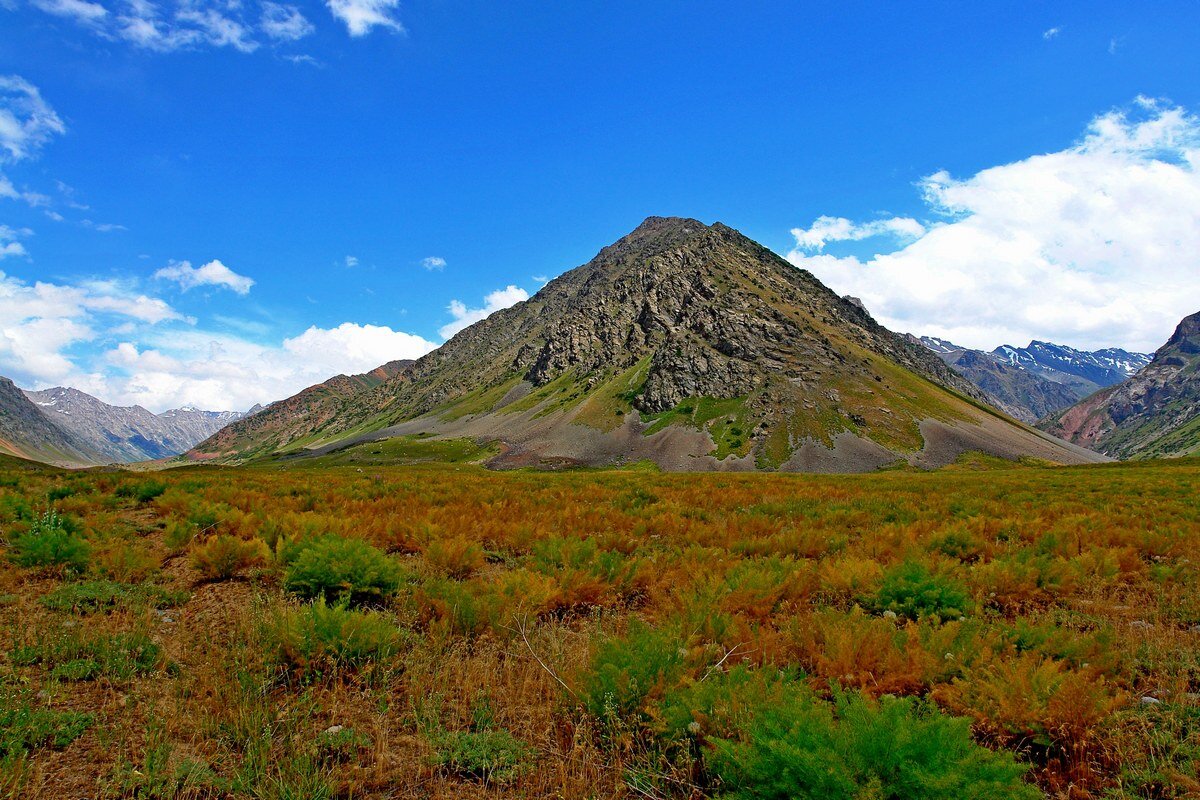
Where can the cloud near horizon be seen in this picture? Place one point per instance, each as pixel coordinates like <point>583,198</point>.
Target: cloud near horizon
<point>1092,246</point>
<point>110,340</point>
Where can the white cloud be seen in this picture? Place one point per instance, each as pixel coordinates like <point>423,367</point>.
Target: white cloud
<point>839,229</point>
<point>1051,33</point>
<point>105,338</point>
<point>464,317</point>
<point>26,122</point>
<point>214,273</point>
<point>360,16</point>
<point>219,371</point>
<point>284,23</point>
<point>81,11</point>
<point>351,261</point>
<point>218,29</point>
<point>9,244</point>
<point>39,322</point>
<point>1092,246</point>
<point>433,263</point>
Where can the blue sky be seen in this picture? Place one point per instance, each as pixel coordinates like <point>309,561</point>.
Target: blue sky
<point>364,173</point>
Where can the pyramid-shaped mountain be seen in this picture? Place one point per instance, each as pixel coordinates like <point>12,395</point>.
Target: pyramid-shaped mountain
<point>684,344</point>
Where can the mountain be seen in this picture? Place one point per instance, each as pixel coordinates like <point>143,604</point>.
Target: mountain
<point>1032,382</point>
<point>684,344</point>
<point>1154,413</point>
<point>296,420</point>
<point>127,433</point>
<point>1082,371</point>
<point>25,431</point>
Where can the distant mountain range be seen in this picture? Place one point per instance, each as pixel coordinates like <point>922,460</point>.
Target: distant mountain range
<point>67,426</point>
<point>1156,413</point>
<point>684,344</point>
<point>1031,382</point>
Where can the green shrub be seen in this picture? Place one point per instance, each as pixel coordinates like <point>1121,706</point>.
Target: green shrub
<point>801,748</point>
<point>319,638</point>
<point>491,755</point>
<point>50,542</point>
<point>911,590</point>
<point>625,672</point>
<point>342,569</point>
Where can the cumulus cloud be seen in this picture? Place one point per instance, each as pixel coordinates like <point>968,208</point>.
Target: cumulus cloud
<point>40,322</point>
<point>110,340</point>
<point>1095,245</point>
<point>26,122</point>
<point>284,23</point>
<point>360,16</point>
<point>1051,33</point>
<point>433,263</point>
<point>351,261</point>
<point>464,317</point>
<point>219,371</point>
<point>214,273</point>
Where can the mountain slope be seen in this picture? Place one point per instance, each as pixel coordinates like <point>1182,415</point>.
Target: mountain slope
<point>296,419</point>
<point>128,433</point>
<point>1155,413</point>
<point>26,432</point>
<point>697,348</point>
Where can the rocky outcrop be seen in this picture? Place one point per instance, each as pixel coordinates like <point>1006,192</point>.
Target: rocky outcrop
<point>1154,413</point>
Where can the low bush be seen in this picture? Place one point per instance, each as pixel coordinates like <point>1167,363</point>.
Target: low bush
<point>798,747</point>
<point>50,542</point>
<point>342,569</point>
<point>456,557</point>
<point>222,557</point>
<point>318,639</point>
<point>627,672</point>
<point>340,744</point>
<point>911,590</point>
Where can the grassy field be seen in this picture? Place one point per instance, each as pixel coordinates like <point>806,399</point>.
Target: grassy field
<point>353,629</point>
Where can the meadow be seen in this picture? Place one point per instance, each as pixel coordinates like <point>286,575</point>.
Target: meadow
<point>349,628</point>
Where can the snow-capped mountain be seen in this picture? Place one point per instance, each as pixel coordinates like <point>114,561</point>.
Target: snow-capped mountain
<point>1031,382</point>
<point>1086,371</point>
<point>127,433</point>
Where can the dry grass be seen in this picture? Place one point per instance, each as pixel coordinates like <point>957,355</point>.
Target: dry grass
<point>1078,646</point>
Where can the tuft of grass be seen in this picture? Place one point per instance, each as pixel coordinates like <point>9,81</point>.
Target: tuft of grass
<point>25,726</point>
<point>494,756</point>
<point>87,597</point>
<point>224,556</point>
<point>319,639</point>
